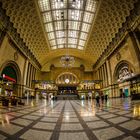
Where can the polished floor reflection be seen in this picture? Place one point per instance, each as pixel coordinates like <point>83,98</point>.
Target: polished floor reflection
<point>118,119</point>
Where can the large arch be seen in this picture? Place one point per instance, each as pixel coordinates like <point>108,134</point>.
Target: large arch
<point>15,66</point>
<point>17,88</point>
<point>72,79</point>
<point>126,65</point>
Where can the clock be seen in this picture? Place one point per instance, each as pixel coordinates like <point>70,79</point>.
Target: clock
<point>67,81</point>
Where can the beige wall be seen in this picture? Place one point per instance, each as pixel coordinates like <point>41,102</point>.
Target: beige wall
<point>56,71</point>
<point>127,53</point>
<point>7,54</point>
<point>77,63</point>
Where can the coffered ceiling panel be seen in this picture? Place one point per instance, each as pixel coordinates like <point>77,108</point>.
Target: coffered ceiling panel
<point>86,27</point>
<point>112,14</point>
<point>24,16</point>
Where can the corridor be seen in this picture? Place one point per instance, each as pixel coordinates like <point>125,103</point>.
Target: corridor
<point>71,120</point>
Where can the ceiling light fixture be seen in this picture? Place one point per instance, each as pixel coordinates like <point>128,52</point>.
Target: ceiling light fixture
<point>67,61</point>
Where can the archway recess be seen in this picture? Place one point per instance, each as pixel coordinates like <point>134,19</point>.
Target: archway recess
<point>11,71</point>
<point>11,76</point>
<point>123,71</point>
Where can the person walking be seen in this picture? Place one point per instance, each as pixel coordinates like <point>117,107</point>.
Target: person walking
<point>106,97</point>
<point>102,97</point>
<point>97,99</point>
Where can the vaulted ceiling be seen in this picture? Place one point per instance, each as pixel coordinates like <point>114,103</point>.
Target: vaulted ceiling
<point>84,27</point>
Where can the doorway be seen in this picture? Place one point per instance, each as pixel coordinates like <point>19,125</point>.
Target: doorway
<point>67,90</point>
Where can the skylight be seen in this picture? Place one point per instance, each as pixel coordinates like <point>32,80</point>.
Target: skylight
<point>67,22</point>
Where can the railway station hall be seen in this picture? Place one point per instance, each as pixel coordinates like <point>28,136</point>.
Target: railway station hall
<point>69,69</point>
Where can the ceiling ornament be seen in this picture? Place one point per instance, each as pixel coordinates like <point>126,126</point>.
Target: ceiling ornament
<point>67,60</point>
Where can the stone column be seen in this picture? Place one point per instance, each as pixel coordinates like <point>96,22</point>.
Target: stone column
<point>25,72</point>
<point>108,72</point>
<point>102,75</point>
<point>103,70</point>
<point>35,74</point>
<point>31,76</point>
<point>100,78</point>
<point>28,74</point>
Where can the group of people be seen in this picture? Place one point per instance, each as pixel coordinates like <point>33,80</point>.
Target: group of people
<point>101,98</point>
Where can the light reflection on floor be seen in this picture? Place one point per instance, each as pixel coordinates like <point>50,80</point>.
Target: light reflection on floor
<point>71,119</point>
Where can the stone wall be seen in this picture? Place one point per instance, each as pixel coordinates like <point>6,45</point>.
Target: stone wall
<point>9,53</point>
<point>56,71</point>
<point>127,53</point>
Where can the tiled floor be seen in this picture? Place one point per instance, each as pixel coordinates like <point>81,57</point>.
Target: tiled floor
<point>118,119</point>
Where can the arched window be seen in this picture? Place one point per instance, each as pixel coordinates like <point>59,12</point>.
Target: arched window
<point>67,79</point>
<point>123,72</point>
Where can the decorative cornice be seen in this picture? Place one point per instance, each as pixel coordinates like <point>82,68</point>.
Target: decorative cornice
<point>5,20</point>
<point>126,26</point>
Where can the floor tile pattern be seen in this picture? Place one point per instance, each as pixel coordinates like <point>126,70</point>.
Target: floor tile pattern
<point>118,119</point>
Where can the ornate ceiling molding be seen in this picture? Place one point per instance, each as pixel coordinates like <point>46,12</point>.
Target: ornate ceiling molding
<point>15,38</point>
<point>121,34</point>
<point>111,16</point>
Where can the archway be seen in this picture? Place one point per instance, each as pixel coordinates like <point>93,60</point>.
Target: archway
<point>11,76</point>
<point>123,71</point>
<point>67,83</point>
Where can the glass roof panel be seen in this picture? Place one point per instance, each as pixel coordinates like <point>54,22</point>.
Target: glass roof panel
<point>49,27</point>
<point>53,42</point>
<point>60,46</point>
<point>73,34</point>
<point>60,34</point>
<point>54,47</point>
<point>76,4</point>
<point>72,41</point>
<point>60,41</point>
<point>75,15</point>
<point>83,35</point>
<point>59,14</point>
<point>47,17</point>
<point>51,35</point>
<point>74,25</point>
<point>72,46</point>
<point>85,27</point>
<point>88,17</point>
<point>58,25</point>
<point>81,42</point>
<point>58,4</point>
<point>67,22</point>
<point>44,5</point>
<point>91,5</point>
<point>80,47</point>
